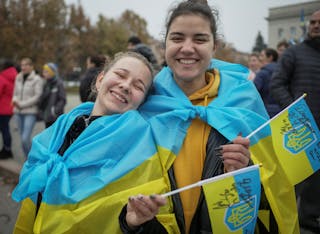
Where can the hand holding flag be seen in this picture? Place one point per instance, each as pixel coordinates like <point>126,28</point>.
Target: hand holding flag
<point>232,198</point>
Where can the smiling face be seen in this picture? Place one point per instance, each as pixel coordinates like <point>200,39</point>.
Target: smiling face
<point>189,49</point>
<point>123,87</point>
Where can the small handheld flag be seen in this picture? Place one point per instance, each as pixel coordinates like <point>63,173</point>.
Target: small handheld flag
<point>232,198</point>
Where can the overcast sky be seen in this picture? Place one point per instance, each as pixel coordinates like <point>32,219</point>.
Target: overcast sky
<point>240,20</point>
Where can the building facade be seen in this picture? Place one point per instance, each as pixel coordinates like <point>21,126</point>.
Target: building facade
<point>289,22</point>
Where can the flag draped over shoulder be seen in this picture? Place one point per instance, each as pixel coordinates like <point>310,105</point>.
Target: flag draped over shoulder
<point>85,189</point>
<point>233,200</point>
<point>238,107</point>
<point>289,149</point>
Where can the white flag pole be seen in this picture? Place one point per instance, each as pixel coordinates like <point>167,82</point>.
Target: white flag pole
<point>266,123</point>
<point>206,181</point>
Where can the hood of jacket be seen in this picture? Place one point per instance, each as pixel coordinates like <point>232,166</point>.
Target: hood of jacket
<point>9,74</point>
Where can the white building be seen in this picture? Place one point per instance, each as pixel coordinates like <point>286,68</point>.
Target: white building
<point>287,22</point>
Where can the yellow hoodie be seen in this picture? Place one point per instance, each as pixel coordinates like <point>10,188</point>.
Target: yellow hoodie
<point>189,163</point>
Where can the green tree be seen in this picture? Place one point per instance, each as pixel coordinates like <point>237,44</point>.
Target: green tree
<point>259,45</point>
<point>81,38</point>
<point>32,28</point>
<point>111,36</point>
<point>135,25</point>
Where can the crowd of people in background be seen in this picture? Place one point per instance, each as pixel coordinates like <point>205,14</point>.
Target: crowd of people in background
<point>279,75</point>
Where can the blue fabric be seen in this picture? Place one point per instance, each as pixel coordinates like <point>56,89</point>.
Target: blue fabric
<point>237,109</point>
<point>25,124</point>
<point>107,149</point>
<point>262,83</point>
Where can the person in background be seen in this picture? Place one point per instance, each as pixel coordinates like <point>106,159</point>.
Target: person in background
<point>135,44</point>
<point>27,91</point>
<point>8,75</point>
<point>254,64</point>
<point>53,98</point>
<point>95,65</point>
<point>194,83</point>
<point>268,58</point>
<point>281,47</point>
<point>298,73</point>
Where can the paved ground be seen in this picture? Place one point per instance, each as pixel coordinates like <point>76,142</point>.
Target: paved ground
<point>9,173</point>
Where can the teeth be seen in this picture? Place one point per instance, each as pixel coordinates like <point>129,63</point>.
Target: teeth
<point>187,61</point>
<point>119,97</point>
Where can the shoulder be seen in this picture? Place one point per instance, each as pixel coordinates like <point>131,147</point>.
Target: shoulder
<point>232,71</point>
<point>35,76</point>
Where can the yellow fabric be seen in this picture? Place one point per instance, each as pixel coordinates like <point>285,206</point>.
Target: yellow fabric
<point>278,189</point>
<point>292,162</point>
<point>99,212</point>
<point>264,216</point>
<point>26,217</point>
<point>213,193</point>
<point>189,163</point>
<point>49,70</point>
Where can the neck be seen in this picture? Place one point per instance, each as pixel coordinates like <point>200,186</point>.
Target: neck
<point>190,87</point>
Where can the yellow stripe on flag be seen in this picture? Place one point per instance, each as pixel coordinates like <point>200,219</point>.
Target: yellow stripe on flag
<point>296,165</point>
<point>214,196</point>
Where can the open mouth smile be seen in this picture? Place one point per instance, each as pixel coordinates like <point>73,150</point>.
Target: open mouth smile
<point>120,97</point>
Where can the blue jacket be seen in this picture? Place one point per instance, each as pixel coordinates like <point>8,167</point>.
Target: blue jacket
<point>262,83</point>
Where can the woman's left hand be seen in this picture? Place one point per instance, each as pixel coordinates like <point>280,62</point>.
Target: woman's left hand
<point>141,209</point>
<point>236,155</point>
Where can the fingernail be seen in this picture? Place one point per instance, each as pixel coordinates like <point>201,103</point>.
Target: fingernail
<point>152,197</point>
<point>140,197</point>
<point>131,198</point>
<point>218,148</point>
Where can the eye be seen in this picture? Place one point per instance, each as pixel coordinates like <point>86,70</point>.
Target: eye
<point>139,87</point>
<point>176,38</point>
<point>120,74</point>
<point>201,39</point>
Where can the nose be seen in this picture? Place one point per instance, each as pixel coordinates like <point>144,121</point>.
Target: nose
<point>187,46</point>
<point>125,86</point>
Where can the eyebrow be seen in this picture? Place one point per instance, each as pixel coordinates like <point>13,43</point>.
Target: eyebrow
<point>127,71</point>
<point>196,35</point>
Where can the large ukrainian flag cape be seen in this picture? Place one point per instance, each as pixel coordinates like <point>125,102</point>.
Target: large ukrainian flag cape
<point>121,155</point>
<point>85,190</point>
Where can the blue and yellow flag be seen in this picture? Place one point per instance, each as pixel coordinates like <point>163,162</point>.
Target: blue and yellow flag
<point>84,190</point>
<point>288,148</point>
<point>233,201</point>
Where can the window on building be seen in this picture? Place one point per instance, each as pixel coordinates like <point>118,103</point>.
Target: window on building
<point>280,33</point>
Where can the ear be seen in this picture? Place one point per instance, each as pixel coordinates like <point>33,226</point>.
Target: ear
<point>99,80</point>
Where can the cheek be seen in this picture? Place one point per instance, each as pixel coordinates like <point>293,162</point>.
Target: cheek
<point>137,98</point>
